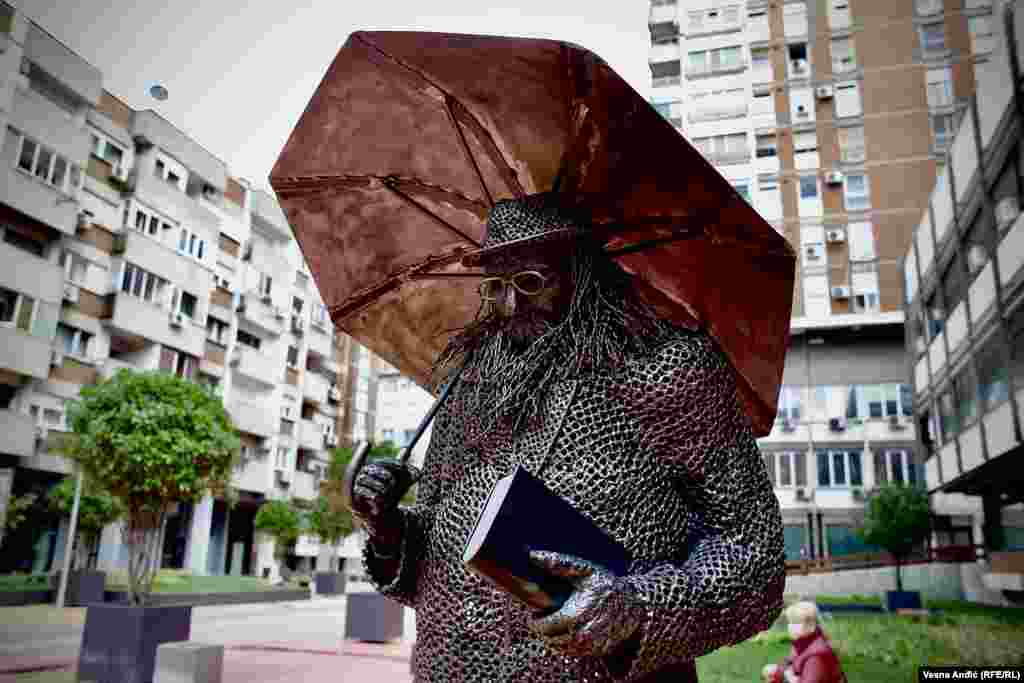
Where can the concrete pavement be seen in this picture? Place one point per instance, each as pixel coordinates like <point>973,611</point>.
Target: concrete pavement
<point>263,643</point>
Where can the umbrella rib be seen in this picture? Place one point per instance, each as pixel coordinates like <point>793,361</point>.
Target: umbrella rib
<point>392,186</point>
<point>465,149</point>
<point>460,111</point>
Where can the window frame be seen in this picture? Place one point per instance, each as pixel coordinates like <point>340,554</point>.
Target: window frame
<point>846,457</point>
<point>849,198</point>
<point>68,183</point>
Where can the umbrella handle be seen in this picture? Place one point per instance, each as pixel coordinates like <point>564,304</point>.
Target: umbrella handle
<point>362,450</point>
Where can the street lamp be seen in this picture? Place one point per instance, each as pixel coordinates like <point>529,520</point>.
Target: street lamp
<point>70,542</point>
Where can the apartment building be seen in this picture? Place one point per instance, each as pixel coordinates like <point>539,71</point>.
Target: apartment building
<point>126,244</point>
<point>832,119</point>
<point>402,405</point>
<point>964,273</point>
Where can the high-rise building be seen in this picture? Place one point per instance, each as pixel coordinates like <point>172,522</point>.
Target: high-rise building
<point>831,118</point>
<point>125,244</point>
<point>964,272</point>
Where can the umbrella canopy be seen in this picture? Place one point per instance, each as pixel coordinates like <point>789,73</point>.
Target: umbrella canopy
<point>410,139</point>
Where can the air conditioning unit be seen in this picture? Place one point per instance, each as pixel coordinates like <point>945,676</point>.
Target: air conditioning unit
<point>331,440</point>
<point>284,477</point>
<point>837,424</point>
<point>857,492</point>
<point>265,297</point>
<point>823,92</point>
<point>840,292</point>
<point>835,235</point>
<point>834,178</point>
<point>263,452</point>
<point>71,293</point>
<point>895,422</point>
<point>334,394</point>
<point>177,319</point>
<point>1007,211</point>
<point>279,313</point>
<point>286,412</point>
<point>802,494</point>
<point>247,252</point>
<point>298,324</point>
<point>84,220</point>
<point>241,304</point>
<point>56,358</point>
<point>811,251</point>
<point>799,67</point>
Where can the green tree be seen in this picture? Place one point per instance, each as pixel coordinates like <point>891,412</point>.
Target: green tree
<point>897,518</point>
<point>330,523</point>
<point>96,509</point>
<point>151,439</point>
<point>18,510</point>
<point>280,520</point>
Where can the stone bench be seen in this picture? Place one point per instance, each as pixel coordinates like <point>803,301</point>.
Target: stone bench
<point>188,662</point>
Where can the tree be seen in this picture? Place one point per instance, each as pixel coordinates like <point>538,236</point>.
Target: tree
<point>280,520</point>
<point>897,518</point>
<point>151,439</point>
<point>96,509</point>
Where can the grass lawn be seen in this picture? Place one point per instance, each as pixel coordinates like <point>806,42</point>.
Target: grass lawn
<point>47,677</point>
<point>167,581</point>
<point>882,647</point>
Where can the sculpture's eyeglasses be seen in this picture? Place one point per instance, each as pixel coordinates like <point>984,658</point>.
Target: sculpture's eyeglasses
<point>526,282</point>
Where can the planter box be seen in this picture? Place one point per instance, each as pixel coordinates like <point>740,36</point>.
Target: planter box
<point>119,642</point>
<point>85,587</point>
<point>22,598</point>
<point>203,599</point>
<point>330,583</point>
<point>372,617</point>
<point>895,600</point>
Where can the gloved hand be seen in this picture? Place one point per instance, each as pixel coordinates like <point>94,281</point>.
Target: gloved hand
<point>600,614</point>
<point>375,494</point>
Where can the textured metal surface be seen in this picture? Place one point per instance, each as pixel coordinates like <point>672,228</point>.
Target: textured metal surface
<point>411,137</point>
<point>659,454</point>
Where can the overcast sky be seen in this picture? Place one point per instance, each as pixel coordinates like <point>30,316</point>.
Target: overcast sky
<point>240,73</point>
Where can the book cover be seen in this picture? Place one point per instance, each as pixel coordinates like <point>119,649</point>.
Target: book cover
<point>522,515</point>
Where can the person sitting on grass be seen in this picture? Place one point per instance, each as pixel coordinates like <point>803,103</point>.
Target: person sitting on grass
<point>812,659</point>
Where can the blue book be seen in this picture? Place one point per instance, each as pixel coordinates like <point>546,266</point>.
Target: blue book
<point>521,515</point>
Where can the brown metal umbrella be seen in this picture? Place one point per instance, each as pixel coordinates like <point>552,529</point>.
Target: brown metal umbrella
<point>410,139</point>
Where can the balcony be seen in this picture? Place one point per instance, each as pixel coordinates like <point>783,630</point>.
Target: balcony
<point>151,127</point>
<point>73,72</point>
<point>662,14</point>
<point>1006,571</point>
<point>315,387</point>
<point>266,316</point>
<point>311,437</point>
<point>162,259</point>
<point>697,71</point>
<point>37,199</point>
<point>39,118</point>
<point>176,204</point>
<point>256,366</point>
<point>213,360</point>
<point>111,366</point>
<point>27,351</point>
<point>29,274</point>
<point>304,485</point>
<point>769,164</point>
<point>253,417</point>
<point>663,52</point>
<point>19,433</point>
<point>268,217</point>
<point>142,320</point>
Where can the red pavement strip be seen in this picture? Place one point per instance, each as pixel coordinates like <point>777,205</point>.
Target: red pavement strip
<point>272,663</point>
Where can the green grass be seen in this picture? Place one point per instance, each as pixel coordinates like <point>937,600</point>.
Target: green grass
<point>178,581</point>
<point>883,647</point>
<point>65,676</point>
<point>24,582</point>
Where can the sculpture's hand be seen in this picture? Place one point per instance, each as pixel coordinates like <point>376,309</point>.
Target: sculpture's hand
<point>375,494</point>
<point>598,616</point>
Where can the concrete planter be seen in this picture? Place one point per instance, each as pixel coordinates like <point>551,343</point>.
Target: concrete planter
<point>373,618</point>
<point>203,599</point>
<point>895,600</point>
<point>85,587</point>
<point>330,583</point>
<point>119,642</point>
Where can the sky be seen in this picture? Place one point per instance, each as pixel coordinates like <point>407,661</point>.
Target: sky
<point>241,73</point>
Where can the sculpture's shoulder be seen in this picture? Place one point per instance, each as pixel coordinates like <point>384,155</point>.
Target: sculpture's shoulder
<point>684,358</point>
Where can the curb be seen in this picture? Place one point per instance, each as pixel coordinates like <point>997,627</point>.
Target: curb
<point>26,668</point>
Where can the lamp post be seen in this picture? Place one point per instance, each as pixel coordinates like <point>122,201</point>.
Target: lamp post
<point>69,544</point>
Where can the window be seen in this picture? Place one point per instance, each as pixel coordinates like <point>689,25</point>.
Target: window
<point>980,29</point>
<point>246,339</point>
<point>794,19</point>
<point>171,171</point>
<point>839,468</point>
<point>940,87</point>
<point>282,459</point>
<point>767,146</point>
<point>808,187</point>
<point>839,14</point>
<point>217,331</point>
<point>799,65</point>
<point>847,100</point>
<point>266,282</point>
<point>48,166</point>
<point>75,267</point>
<point>191,244</point>
<point>790,403</point>
<point>993,376</point>
<point>757,22</point>
<point>706,61</point>
<point>936,317</point>
<point>805,142</point>
<point>851,143</point>
<point>954,284</point>
<point>319,315</point>
<point>949,423</point>
<point>23,242</point>
<point>297,304</point>
<point>861,238</point>
<point>864,288</point>
<point>944,129</point>
<point>184,303</point>
<point>742,187</point>
<point>842,55</point>
<point>670,111</point>
<point>876,401</point>
<point>184,365</point>
<point>723,148</point>
<point>817,303</point>
<point>855,194</point>
<point>843,540</point>
<point>144,285</point>
<point>933,37</point>
<point>293,356</point>
<point>926,7</point>
<point>763,102</point>
<point>301,279</point>
<point>1017,347</point>
<point>72,340</point>
<point>104,149</point>
<point>965,385</point>
<point>761,61</point>
<point>665,73</point>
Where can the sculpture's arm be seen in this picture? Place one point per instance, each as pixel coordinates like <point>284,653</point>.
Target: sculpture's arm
<point>729,585</point>
<point>396,576</point>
